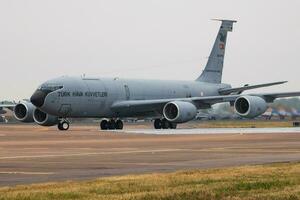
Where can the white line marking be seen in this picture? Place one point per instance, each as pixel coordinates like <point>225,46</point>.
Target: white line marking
<point>213,131</point>
<point>89,154</point>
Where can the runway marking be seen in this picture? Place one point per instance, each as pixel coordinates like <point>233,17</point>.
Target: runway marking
<point>216,149</point>
<point>89,154</point>
<point>29,173</point>
<point>74,148</point>
<point>211,131</point>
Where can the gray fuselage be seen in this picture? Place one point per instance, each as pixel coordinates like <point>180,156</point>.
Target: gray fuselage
<point>93,97</point>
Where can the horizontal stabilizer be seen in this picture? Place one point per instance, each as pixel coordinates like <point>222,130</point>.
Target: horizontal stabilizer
<point>239,90</point>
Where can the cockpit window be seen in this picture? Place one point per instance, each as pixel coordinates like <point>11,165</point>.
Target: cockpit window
<point>50,88</point>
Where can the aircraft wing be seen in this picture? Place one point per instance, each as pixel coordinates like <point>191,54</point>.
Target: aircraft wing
<point>270,97</point>
<point>239,90</point>
<point>200,102</point>
<point>158,104</point>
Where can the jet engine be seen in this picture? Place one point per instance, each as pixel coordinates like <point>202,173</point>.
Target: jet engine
<point>250,106</point>
<point>2,112</point>
<point>179,111</point>
<point>44,119</point>
<point>23,111</point>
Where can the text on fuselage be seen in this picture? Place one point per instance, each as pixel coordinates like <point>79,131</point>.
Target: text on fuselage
<point>81,94</point>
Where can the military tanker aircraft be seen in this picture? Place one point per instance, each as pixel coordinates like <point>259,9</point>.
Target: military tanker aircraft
<point>167,102</point>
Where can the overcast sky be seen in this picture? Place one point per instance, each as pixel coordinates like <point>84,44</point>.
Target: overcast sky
<point>162,39</point>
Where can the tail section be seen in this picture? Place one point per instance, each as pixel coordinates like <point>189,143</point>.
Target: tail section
<point>214,67</point>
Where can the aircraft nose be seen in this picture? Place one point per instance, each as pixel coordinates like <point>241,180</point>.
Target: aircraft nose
<point>38,98</point>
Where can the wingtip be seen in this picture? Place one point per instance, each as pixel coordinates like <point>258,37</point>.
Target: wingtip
<point>282,82</point>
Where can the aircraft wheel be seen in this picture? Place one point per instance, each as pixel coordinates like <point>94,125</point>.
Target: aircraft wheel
<point>119,124</point>
<point>112,124</point>
<point>104,125</point>
<point>59,126</point>
<point>63,126</point>
<point>172,125</point>
<point>157,124</point>
<point>165,124</point>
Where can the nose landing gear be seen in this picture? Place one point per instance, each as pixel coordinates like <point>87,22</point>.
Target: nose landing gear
<point>111,125</point>
<point>63,125</point>
<point>164,124</point>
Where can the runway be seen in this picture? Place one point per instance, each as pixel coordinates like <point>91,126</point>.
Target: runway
<point>33,154</point>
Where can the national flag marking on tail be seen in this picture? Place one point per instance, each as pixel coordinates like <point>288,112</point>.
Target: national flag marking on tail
<point>221,46</point>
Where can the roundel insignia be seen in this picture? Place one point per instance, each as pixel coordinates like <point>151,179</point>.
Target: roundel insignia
<point>221,46</point>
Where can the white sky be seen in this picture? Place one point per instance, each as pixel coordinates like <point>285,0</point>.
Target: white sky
<point>161,39</point>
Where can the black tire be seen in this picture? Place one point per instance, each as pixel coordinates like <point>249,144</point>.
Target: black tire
<point>119,125</point>
<point>104,125</point>
<point>59,126</point>
<point>157,124</point>
<point>112,125</point>
<point>172,125</point>
<point>165,124</point>
<point>63,126</point>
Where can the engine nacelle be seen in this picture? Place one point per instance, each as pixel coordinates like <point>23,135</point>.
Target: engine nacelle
<point>250,106</point>
<point>179,111</point>
<point>2,112</point>
<point>44,119</point>
<point>23,111</point>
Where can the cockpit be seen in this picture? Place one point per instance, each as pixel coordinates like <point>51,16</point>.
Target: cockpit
<point>38,97</point>
<point>47,88</point>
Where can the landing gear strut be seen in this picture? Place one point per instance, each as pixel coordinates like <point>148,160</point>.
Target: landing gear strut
<point>63,125</point>
<point>164,124</point>
<point>111,124</point>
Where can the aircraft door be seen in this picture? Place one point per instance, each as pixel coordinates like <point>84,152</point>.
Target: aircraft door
<point>127,92</point>
<point>187,91</point>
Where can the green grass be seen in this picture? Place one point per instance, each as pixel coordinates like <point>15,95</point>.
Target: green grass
<point>275,181</point>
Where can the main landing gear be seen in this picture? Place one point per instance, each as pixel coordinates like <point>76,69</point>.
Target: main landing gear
<point>111,124</point>
<point>164,124</point>
<point>63,125</point>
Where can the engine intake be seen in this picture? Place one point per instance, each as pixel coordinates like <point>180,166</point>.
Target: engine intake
<point>179,111</point>
<point>44,119</point>
<point>23,112</point>
<point>250,106</point>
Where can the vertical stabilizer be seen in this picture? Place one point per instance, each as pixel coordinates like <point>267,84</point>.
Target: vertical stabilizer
<point>212,72</point>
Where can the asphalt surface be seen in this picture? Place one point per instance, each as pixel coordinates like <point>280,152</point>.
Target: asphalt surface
<point>33,154</point>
